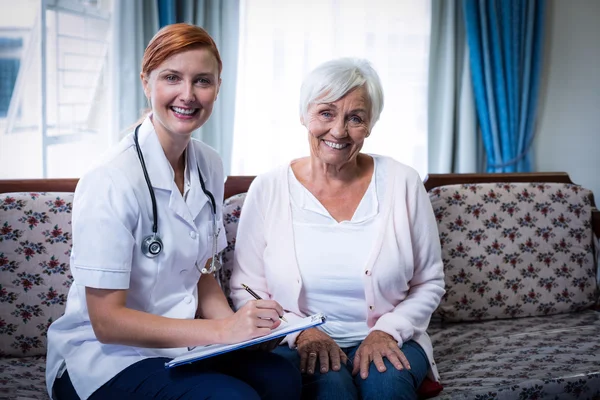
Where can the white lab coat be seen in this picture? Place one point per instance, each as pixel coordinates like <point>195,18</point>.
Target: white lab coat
<point>112,213</point>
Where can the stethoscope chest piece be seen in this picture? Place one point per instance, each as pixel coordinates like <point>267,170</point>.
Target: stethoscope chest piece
<point>152,246</point>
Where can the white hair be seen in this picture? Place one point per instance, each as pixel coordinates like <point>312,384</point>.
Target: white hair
<point>333,79</point>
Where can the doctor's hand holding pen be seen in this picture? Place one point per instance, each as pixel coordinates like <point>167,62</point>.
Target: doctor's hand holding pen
<point>256,318</point>
<point>271,344</point>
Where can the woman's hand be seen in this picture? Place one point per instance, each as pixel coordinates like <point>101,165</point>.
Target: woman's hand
<point>256,318</point>
<point>313,343</point>
<point>377,345</point>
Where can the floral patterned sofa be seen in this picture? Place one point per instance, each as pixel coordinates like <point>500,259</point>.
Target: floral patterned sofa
<point>521,258</point>
<point>519,318</point>
<point>517,321</point>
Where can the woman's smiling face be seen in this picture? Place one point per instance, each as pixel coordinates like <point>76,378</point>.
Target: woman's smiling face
<point>337,130</point>
<point>182,91</point>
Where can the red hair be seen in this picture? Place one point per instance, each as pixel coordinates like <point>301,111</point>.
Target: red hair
<point>173,39</point>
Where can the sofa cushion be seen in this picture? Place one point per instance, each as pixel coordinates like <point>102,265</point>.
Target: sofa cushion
<point>515,249</point>
<point>35,245</point>
<point>232,210</point>
<point>23,378</point>
<point>549,357</point>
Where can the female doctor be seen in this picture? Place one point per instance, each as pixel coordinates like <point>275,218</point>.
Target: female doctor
<point>146,232</point>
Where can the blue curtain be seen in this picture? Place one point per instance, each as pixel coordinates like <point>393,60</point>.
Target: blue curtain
<point>220,18</point>
<point>166,12</point>
<point>505,40</point>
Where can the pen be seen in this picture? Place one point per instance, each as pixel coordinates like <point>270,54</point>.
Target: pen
<point>257,297</point>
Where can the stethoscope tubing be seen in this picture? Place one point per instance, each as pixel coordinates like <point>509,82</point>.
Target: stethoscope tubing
<point>155,238</point>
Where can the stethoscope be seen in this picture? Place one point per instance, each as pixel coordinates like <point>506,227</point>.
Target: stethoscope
<point>152,245</point>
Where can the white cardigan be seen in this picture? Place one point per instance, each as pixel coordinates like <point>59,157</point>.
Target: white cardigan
<point>403,279</point>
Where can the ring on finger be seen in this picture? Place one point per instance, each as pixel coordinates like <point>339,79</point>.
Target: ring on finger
<point>312,354</point>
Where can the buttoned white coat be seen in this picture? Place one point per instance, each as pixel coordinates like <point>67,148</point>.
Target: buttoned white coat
<point>112,214</point>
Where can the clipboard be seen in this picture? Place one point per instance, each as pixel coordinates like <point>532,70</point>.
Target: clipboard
<point>212,350</point>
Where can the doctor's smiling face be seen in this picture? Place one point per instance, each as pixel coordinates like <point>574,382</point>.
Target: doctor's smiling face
<point>182,91</point>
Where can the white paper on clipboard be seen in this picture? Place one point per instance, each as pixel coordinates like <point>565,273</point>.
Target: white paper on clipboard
<point>284,329</point>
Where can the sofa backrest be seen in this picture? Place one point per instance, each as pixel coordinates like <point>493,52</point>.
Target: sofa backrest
<point>515,249</point>
<point>35,246</point>
<point>509,249</point>
<point>232,211</point>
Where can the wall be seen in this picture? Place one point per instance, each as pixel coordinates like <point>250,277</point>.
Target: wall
<point>568,132</point>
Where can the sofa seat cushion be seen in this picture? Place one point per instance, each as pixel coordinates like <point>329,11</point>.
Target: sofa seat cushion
<point>544,357</point>
<point>23,378</point>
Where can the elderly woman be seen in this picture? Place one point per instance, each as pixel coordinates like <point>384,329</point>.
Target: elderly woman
<point>348,234</point>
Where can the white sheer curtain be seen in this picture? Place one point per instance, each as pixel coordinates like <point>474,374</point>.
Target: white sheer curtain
<point>454,144</point>
<point>281,41</point>
<point>135,22</point>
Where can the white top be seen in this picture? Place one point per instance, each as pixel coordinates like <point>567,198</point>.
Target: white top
<point>328,269</point>
<point>403,279</point>
<point>112,213</point>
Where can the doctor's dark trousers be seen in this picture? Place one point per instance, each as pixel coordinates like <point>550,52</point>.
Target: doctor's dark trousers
<point>240,375</point>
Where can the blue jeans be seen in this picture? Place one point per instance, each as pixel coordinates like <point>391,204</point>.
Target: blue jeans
<point>391,384</point>
<point>237,375</point>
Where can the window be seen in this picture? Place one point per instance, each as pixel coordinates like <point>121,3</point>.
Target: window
<point>55,86</point>
<point>9,68</point>
<point>281,41</point>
